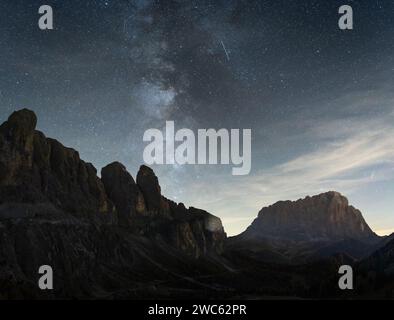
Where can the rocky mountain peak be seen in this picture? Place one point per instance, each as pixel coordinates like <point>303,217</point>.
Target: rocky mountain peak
<point>323,217</point>
<point>123,192</point>
<point>23,121</point>
<point>19,129</point>
<point>36,171</point>
<point>150,188</point>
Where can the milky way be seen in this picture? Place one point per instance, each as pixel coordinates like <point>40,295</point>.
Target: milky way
<point>319,100</point>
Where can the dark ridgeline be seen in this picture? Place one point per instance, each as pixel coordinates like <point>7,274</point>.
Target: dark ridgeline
<point>114,237</point>
<point>101,236</point>
<point>41,171</point>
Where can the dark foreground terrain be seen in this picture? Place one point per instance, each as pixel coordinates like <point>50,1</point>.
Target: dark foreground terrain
<point>118,238</point>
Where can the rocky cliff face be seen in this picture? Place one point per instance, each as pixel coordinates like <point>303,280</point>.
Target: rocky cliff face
<point>35,169</point>
<point>310,229</point>
<point>42,173</point>
<point>142,207</point>
<point>123,192</point>
<point>325,217</point>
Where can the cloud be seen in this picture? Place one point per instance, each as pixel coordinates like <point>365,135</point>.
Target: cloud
<point>350,154</point>
<point>337,165</point>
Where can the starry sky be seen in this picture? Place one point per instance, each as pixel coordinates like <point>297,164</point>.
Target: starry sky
<point>319,100</point>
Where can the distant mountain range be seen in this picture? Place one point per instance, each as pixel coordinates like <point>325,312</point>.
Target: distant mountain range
<point>116,237</point>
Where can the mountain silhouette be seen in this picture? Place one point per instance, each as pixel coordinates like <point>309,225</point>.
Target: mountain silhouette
<point>309,228</point>
<point>115,237</point>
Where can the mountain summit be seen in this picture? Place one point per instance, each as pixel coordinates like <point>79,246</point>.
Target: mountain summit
<point>324,217</point>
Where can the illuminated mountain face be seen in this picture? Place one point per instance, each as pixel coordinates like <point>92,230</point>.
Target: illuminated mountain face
<point>325,217</point>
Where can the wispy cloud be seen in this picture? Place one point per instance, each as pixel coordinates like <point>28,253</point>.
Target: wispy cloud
<point>350,153</point>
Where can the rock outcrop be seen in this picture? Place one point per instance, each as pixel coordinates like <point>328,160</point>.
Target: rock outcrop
<point>309,229</point>
<point>325,217</point>
<point>36,169</point>
<point>149,185</point>
<point>39,171</point>
<point>142,207</point>
<point>123,192</point>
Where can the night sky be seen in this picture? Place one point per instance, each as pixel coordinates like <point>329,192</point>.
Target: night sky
<point>319,100</point>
